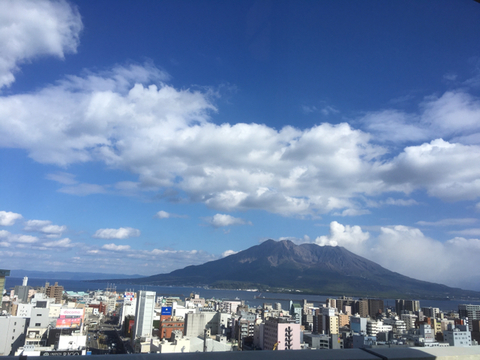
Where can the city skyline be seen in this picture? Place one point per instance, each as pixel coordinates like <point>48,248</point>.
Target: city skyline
<point>151,137</point>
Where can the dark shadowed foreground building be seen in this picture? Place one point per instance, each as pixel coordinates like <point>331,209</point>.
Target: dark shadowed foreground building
<point>451,353</point>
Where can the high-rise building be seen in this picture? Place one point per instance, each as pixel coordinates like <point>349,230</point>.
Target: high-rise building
<point>375,307</point>
<point>412,305</point>
<point>472,312</point>
<point>281,335</point>
<point>362,309</point>
<point>3,273</point>
<point>399,306</point>
<point>129,306</point>
<point>144,313</point>
<point>54,291</point>
<point>329,321</point>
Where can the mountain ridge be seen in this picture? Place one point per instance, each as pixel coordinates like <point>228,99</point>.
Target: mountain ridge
<point>308,268</point>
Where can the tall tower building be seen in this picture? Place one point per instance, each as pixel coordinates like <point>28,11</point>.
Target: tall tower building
<point>3,273</point>
<point>144,314</point>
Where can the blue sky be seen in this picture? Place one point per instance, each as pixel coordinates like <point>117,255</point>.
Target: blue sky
<point>144,137</point>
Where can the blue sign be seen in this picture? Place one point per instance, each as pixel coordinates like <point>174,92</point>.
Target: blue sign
<point>166,310</point>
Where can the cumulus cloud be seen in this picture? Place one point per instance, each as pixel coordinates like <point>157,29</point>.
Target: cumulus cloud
<point>17,238</point>
<point>228,253</point>
<point>44,226</point>
<point>113,247</point>
<point>442,168</point>
<point>121,233</point>
<point>350,237</point>
<point>8,218</point>
<point>29,29</point>
<point>62,243</point>
<point>455,113</point>
<point>408,251</point>
<point>165,215</point>
<point>129,118</point>
<point>220,220</point>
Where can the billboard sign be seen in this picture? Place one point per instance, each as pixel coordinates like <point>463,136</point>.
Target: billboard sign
<point>70,318</point>
<point>166,310</point>
<point>61,353</point>
<point>129,296</point>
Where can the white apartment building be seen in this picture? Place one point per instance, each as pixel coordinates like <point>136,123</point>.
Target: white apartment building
<point>458,336</point>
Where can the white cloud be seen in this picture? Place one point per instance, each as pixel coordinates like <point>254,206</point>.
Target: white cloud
<point>350,237</point>
<point>165,215</point>
<point>298,241</point>
<point>162,215</point>
<point>62,243</point>
<point>17,238</point>
<point>352,212</point>
<point>448,222</point>
<point>130,119</point>
<point>454,113</point>
<point>8,218</point>
<point>467,232</point>
<point>308,109</point>
<point>400,202</point>
<point>325,110</point>
<point>62,178</point>
<point>220,220</point>
<point>114,247</point>
<point>408,251</point>
<point>444,169</point>
<point>29,29</point>
<point>121,233</point>
<point>44,226</point>
<point>450,77</point>
<point>83,189</point>
<point>228,253</point>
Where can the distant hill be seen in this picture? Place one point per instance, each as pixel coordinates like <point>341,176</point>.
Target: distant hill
<point>65,275</point>
<point>284,266</point>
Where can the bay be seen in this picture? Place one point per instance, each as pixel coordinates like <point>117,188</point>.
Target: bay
<point>251,298</point>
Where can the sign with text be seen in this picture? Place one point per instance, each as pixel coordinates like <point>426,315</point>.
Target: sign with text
<point>61,353</point>
<point>70,318</point>
<point>166,310</point>
<point>129,296</point>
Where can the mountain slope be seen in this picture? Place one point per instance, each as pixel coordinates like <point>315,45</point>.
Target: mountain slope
<point>308,268</point>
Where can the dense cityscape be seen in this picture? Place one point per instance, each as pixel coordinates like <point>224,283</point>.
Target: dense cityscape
<point>50,320</point>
